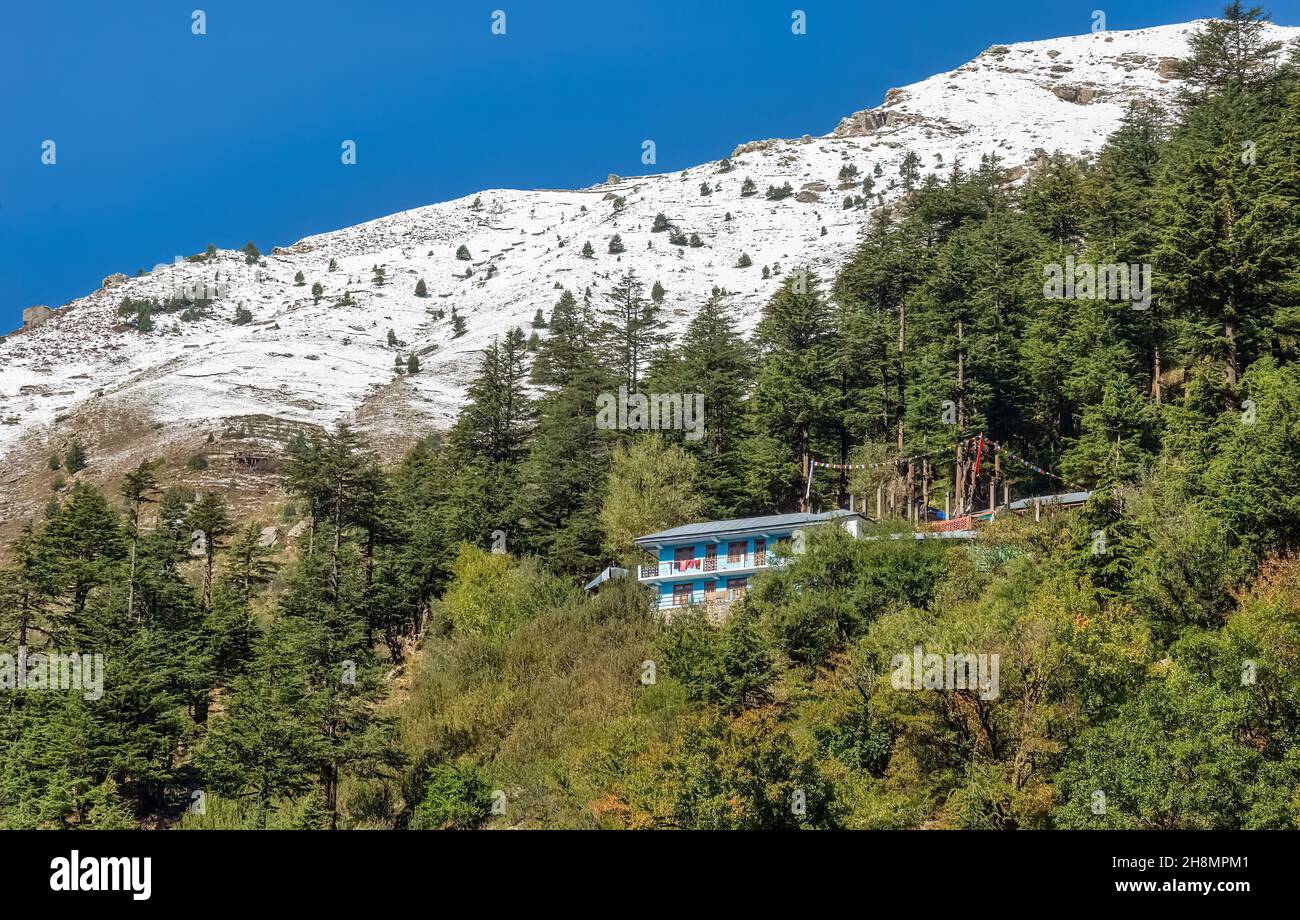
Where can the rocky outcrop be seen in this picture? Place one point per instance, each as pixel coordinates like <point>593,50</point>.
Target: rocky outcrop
<point>114,280</point>
<point>35,316</point>
<point>1080,95</point>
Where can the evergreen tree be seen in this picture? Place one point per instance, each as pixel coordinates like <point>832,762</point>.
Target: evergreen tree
<point>139,487</point>
<point>562,478</point>
<point>713,360</point>
<point>1233,52</point>
<point>909,173</point>
<point>208,516</point>
<point>74,460</point>
<point>795,387</point>
<point>631,329</point>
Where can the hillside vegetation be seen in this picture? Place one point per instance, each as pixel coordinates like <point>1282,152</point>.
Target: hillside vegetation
<point>423,656</point>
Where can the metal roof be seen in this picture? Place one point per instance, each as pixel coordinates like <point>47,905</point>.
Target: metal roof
<point>743,525</point>
<point>612,571</point>
<point>1063,498</point>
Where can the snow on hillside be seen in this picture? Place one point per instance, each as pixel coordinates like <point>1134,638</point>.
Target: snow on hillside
<point>311,362</point>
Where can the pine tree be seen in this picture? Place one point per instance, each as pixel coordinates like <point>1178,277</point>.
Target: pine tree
<point>779,192</point>
<point>1232,52</point>
<point>249,563</point>
<point>263,749</point>
<point>421,290</point>
<point>497,417</point>
<point>714,361</point>
<point>795,388</point>
<point>909,173</point>
<point>74,460</point>
<point>562,478</point>
<point>139,487</point>
<point>1227,243</point>
<point>588,252</point>
<point>317,291</point>
<point>209,517</point>
<point>631,328</point>
<point>615,245</point>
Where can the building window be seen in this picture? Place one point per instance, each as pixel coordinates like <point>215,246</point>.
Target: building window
<point>681,595</point>
<point>684,558</point>
<point>736,588</point>
<point>711,558</point>
<point>735,553</point>
<point>760,552</point>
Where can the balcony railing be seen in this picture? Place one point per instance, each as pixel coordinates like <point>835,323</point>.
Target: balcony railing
<point>706,565</point>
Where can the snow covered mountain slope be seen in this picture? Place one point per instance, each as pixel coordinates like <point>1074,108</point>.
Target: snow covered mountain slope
<point>304,361</point>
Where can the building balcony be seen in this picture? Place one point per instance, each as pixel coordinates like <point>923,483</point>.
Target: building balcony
<point>706,566</point>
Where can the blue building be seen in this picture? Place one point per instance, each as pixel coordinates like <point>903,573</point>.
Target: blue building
<point>712,563</point>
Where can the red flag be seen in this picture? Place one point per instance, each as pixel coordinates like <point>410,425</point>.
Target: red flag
<point>979,454</point>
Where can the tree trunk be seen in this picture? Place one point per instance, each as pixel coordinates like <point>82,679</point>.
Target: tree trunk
<point>1230,360</point>
<point>902,375</point>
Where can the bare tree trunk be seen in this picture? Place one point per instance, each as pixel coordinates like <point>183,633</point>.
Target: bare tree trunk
<point>1230,361</point>
<point>805,461</point>
<point>902,376</point>
<point>964,492</point>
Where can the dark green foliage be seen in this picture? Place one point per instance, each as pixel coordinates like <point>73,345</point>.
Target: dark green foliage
<point>779,192</point>
<point>455,798</point>
<point>74,459</point>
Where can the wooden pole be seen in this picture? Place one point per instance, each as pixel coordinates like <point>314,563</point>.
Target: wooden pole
<point>925,491</point>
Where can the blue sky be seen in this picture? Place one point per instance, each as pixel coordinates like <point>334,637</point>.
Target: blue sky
<point>167,141</point>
